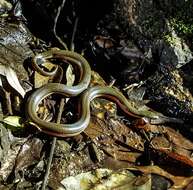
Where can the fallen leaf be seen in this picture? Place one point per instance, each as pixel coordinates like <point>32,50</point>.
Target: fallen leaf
<point>12,79</point>
<point>14,121</point>
<point>179,182</point>
<point>1,84</point>
<point>70,77</point>
<point>9,148</point>
<point>29,154</point>
<point>104,179</point>
<point>40,80</point>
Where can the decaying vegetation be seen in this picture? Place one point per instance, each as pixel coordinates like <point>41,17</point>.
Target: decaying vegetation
<point>143,49</point>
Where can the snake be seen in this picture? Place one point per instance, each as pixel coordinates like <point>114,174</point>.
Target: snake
<point>87,94</point>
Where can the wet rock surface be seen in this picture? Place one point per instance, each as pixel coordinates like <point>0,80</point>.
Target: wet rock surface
<point>15,39</point>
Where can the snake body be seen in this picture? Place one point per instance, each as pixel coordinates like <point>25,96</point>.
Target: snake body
<point>67,130</point>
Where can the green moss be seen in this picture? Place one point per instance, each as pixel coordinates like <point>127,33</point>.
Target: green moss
<point>168,38</point>
<point>182,27</point>
<point>180,20</point>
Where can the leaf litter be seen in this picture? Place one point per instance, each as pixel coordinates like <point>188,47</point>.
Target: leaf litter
<point>115,151</point>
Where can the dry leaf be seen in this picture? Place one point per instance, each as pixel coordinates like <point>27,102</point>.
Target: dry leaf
<point>29,154</point>
<point>40,80</point>
<point>70,77</point>
<point>1,84</point>
<point>179,182</point>
<point>14,121</point>
<point>104,179</point>
<point>12,79</point>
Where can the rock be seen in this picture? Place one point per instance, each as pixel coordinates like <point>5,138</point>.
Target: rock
<point>141,20</point>
<point>146,22</point>
<point>174,51</point>
<point>14,47</point>
<point>168,93</point>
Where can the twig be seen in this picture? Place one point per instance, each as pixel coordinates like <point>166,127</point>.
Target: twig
<point>55,24</point>
<point>62,103</point>
<point>8,102</point>
<point>73,34</point>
